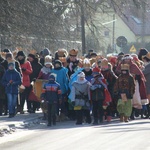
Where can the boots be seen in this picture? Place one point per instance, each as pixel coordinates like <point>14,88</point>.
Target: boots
<point>126,119</point>
<point>121,117</point>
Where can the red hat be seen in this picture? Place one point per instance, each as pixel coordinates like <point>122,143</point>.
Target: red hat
<point>96,70</point>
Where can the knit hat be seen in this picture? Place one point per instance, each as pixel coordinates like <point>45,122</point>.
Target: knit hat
<point>48,60</point>
<point>58,62</point>
<point>9,55</point>
<point>32,56</point>
<point>142,52</point>
<point>21,53</point>
<point>86,63</point>
<point>96,70</point>
<point>7,50</point>
<point>73,52</point>
<point>104,63</point>
<point>52,77</point>
<point>127,57</point>
<point>125,67</point>
<point>81,75</point>
<point>45,52</point>
<point>93,54</point>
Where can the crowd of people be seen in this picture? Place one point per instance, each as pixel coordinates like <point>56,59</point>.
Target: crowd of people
<point>90,89</point>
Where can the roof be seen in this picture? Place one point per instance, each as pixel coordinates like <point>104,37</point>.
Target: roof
<point>135,22</point>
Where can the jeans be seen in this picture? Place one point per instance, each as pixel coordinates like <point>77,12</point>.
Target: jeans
<point>12,103</point>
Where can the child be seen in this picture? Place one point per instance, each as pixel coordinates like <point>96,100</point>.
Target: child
<point>99,95</point>
<point>11,80</point>
<point>52,94</point>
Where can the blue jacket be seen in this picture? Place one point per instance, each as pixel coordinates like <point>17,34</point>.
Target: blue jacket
<point>62,78</point>
<point>51,92</point>
<point>15,76</point>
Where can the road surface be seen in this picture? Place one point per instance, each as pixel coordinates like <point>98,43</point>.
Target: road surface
<point>68,136</point>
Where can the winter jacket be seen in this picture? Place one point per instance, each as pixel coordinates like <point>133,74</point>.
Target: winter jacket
<point>2,88</point>
<point>26,71</point>
<point>51,92</point>
<point>36,67</point>
<point>62,78</point>
<point>125,84</point>
<point>15,77</point>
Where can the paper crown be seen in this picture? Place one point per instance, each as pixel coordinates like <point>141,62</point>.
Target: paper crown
<point>73,52</point>
<point>92,60</point>
<point>125,67</point>
<point>62,53</point>
<point>86,63</point>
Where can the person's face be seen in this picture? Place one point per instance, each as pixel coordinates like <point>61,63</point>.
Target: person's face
<point>127,61</point>
<point>20,57</point>
<point>11,67</point>
<point>81,78</point>
<point>124,71</point>
<point>48,65</point>
<point>9,58</point>
<point>87,69</point>
<point>30,59</point>
<point>73,58</point>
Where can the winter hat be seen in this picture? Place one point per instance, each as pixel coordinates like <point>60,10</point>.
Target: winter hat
<point>127,57</point>
<point>46,52</point>
<point>32,56</point>
<point>96,70</point>
<point>73,52</point>
<point>93,54</point>
<point>62,53</point>
<point>52,77</point>
<point>125,67</point>
<point>21,53</point>
<point>81,75</point>
<point>58,62</point>
<point>113,60</point>
<point>9,55</point>
<point>121,54</point>
<point>6,50</point>
<point>86,63</point>
<point>142,52</point>
<point>104,63</point>
<point>48,60</point>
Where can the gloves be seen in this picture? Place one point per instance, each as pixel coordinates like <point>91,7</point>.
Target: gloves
<point>73,103</point>
<point>34,79</point>
<point>23,69</point>
<point>11,82</point>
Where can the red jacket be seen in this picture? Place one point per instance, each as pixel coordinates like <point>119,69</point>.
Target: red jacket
<point>28,70</point>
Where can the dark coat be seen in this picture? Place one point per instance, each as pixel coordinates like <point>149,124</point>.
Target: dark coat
<point>2,88</point>
<point>36,67</point>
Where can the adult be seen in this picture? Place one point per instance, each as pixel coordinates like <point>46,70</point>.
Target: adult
<point>26,71</point>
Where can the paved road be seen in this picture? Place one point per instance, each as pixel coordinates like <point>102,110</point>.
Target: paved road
<point>68,136</point>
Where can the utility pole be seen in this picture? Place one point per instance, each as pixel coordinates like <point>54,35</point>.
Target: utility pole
<point>83,28</point>
<point>113,35</point>
<point>143,23</point>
